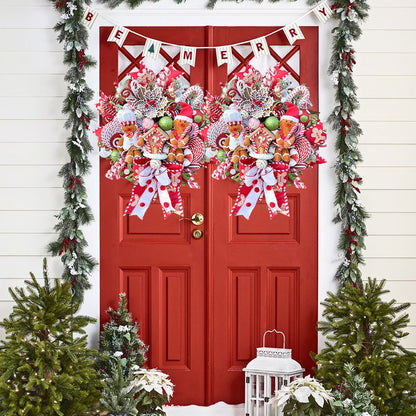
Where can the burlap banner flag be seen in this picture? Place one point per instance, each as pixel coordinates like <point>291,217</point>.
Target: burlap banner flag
<point>152,48</point>
<point>260,47</point>
<point>118,35</point>
<point>293,33</point>
<point>187,55</point>
<point>322,11</point>
<point>89,17</point>
<point>224,55</point>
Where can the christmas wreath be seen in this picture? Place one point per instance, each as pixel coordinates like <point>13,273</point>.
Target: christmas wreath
<point>152,137</point>
<point>265,137</point>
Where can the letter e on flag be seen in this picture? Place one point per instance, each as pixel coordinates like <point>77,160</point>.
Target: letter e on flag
<point>224,55</point>
<point>118,35</point>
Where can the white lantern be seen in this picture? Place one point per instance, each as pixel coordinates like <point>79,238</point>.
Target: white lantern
<point>267,373</point>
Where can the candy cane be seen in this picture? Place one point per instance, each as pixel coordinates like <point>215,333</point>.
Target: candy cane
<point>304,99</point>
<point>114,171</point>
<point>219,172</point>
<point>198,100</point>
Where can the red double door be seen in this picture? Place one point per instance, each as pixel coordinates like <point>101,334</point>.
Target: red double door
<point>204,304</point>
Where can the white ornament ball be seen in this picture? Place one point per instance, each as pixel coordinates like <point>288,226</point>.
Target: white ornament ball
<point>147,123</point>
<point>261,163</point>
<point>104,152</point>
<point>155,163</point>
<point>253,123</point>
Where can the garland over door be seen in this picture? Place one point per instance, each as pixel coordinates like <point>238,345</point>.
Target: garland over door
<point>203,304</point>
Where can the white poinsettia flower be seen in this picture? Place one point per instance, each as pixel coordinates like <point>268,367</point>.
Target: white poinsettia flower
<point>117,354</point>
<point>283,400</point>
<point>318,398</point>
<point>365,414</point>
<point>302,394</point>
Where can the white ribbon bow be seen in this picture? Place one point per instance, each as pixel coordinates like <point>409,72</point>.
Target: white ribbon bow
<point>262,180</point>
<point>154,180</point>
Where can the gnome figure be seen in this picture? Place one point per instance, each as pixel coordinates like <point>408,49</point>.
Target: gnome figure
<point>130,142</point>
<point>285,136</point>
<point>235,141</point>
<point>179,136</point>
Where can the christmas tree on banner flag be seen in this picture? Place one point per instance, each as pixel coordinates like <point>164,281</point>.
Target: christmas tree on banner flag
<point>45,366</point>
<point>365,330</point>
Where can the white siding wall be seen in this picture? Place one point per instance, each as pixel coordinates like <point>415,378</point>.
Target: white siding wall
<point>32,135</point>
<point>32,140</point>
<point>386,77</point>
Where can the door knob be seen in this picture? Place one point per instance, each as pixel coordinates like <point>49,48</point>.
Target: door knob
<point>197,234</point>
<point>196,219</point>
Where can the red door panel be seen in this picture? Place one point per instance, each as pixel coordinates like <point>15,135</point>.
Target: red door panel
<point>156,262</point>
<point>264,271</point>
<point>203,305</point>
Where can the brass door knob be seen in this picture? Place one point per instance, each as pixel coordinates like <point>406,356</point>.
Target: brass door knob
<point>197,234</point>
<point>196,219</point>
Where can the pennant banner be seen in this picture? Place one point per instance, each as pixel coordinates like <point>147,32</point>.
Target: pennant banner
<point>152,48</point>
<point>118,35</point>
<point>89,17</point>
<point>322,11</point>
<point>224,55</point>
<point>260,47</point>
<point>187,55</point>
<point>293,33</point>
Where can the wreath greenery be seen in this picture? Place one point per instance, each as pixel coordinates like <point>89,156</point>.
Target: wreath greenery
<point>73,35</point>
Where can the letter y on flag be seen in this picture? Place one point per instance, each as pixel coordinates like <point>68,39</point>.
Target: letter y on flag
<point>322,11</point>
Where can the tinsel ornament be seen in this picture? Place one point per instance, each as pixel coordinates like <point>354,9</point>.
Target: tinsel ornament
<point>76,213</point>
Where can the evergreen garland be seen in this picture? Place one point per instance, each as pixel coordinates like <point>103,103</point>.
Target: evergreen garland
<point>351,214</point>
<point>76,212</point>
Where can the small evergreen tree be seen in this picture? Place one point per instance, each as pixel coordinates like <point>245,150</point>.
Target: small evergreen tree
<point>363,329</point>
<point>120,339</point>
<point>119,395</point>
<point>352,396</point>
<point>44,368</point>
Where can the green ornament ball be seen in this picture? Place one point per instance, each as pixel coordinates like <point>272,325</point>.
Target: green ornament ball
<point>304,119</point>
<point>115,155</point>
<point>166,123</point>
<point>221,155</point>
<point>271,123</point>
<point>198,118</point>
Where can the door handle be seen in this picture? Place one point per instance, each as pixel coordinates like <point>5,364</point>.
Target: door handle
<point>196,219</point>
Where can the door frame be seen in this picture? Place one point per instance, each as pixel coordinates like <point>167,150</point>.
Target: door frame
<point>263,14</point>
